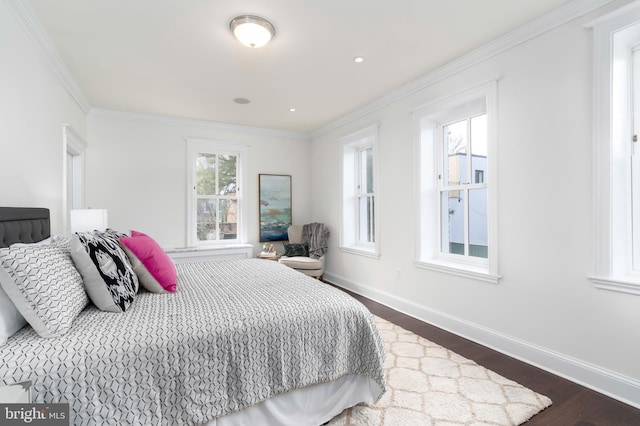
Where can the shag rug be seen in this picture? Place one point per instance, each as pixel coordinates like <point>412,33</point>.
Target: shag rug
<point>428,385</point>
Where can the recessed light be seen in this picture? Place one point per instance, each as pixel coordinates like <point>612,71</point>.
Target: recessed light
<point>241,101</point>
<point>292,109</point>
<point>358,59</point>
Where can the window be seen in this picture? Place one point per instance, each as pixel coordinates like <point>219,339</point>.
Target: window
<point>462,203</point>
<point>215,214</point>
<point>456,193</point>
<point>359,194</point>
<point>616,201</point>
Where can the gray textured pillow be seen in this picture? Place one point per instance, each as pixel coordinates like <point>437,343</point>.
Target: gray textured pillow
<point>296,249</point>
<point>106,271</point>
<point>44,286</point>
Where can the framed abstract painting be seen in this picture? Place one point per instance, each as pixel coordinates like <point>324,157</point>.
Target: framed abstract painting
<point>275,206</point>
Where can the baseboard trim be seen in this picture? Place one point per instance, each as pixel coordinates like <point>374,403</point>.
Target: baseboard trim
<point>607,382</point>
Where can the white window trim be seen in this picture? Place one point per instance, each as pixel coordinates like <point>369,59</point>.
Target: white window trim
<point>427,236</point>
<point>612,129</point>
<point>75,145</point>
<point>203,145</point>
<point>349,224</point>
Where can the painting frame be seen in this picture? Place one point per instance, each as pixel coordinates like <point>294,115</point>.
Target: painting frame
<point>274,205</point>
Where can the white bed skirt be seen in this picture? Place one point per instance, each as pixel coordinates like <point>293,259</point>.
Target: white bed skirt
<point>310,406</point>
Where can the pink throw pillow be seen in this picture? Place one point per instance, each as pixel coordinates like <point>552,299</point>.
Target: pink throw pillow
<point>154,268</point>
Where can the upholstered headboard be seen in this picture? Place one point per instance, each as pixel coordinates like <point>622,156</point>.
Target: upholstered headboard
<point>23,225</point>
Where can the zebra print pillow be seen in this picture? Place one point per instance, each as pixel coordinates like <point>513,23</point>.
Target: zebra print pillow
<point>107,274</point>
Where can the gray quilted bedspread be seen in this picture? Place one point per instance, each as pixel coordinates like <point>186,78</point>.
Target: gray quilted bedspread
<point>235,333</point>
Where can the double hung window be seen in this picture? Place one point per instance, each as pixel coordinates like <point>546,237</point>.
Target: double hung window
<point>616,151</point>
<point>456,191</point>
<point>359,194</point>
<point>215,214</point>
<point>462,163</point>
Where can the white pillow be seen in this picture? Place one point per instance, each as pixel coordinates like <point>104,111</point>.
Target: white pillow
<point>108,276</point>
<point>10,319</point>
<point>45,287</point>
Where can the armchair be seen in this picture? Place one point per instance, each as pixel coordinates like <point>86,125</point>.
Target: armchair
<point>306,265</point>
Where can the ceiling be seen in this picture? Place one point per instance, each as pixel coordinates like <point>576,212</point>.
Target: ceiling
<point>179,58</point>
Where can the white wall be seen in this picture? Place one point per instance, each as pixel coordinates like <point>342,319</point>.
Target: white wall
<point>544,309</point>
<point>137,169</point>
<point>33,107</point>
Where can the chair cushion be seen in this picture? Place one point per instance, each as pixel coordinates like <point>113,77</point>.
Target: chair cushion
<point>300,262</point>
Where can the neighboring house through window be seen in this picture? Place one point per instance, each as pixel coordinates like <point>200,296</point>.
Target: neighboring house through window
<point>215,201</point>
<point>359,180</point>
<point>616,151</point>
<point>456,194</point>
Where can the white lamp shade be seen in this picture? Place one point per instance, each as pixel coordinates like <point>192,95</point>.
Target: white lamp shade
<point>252,31</point>
<point>83,220</point>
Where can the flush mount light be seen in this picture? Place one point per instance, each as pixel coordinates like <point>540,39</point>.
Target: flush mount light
<point>241,101</point>
<point>358,59</point>
<point>252,31</point>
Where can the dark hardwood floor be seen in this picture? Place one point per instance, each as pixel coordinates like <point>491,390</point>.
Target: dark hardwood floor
<point>573,405</point>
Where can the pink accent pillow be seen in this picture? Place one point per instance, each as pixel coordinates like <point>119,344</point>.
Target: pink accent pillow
<point>154,268</point>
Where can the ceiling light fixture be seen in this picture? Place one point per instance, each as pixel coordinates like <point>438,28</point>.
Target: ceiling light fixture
<point>252,31</point>
<point>358,59</point>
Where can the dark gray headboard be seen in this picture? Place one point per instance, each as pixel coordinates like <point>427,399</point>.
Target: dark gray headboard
<point>23,225</point>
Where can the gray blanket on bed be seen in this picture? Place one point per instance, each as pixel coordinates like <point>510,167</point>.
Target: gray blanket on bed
<point>234,334</point>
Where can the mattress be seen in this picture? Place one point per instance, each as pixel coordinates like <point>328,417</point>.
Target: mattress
<point>234,334</point>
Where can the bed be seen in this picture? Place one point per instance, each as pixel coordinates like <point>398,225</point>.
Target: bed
<point>239,342</point>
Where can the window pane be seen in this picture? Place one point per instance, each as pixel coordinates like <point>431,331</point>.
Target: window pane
<point>478,223</point>
<point>455,140</point>
<point>479,148</point>
<point>366,229</point>
<point>205,174</point>
<point>227,174</point>
<point>452,222</point>
<point>366,170</point>
<point>228,219</point>
<point>206,219</point>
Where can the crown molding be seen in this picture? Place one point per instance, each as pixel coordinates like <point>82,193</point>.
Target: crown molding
<point>23,11</point>
<point>177,121</point>
<point>563,14</point>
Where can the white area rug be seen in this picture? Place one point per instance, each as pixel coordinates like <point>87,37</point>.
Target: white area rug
<point>428,385</point>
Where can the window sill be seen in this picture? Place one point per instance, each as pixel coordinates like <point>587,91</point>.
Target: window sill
<point>361,251</point>
<point>466,271</point>
<point>210,252</point>
<point>620,285</point>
